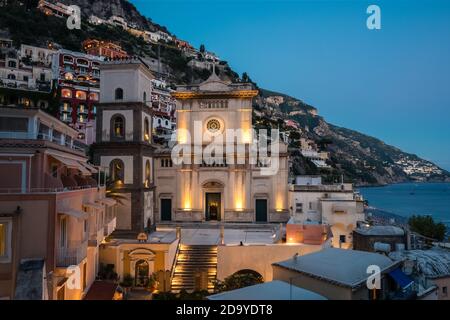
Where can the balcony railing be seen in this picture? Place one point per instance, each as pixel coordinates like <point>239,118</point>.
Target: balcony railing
<point>44,190</point>
<point>40,136</point>
<point>71,255</point>
<point>110,227</point>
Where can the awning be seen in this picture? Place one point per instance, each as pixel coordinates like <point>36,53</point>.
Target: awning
<point>74,213</point>
<point>402,279</point>
<point>72,164</point>
<point>108,201</point>
<point>91,168</point>
<point>93,205</point>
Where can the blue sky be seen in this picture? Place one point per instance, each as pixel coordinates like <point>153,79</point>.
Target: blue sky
<point>392,83</point>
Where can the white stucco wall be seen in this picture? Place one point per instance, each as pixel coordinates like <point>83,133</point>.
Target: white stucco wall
<point>259,258</point>
<point>133,84</point>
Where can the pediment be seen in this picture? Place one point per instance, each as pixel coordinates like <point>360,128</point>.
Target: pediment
<point>141,253</point>
<point>214,85</point>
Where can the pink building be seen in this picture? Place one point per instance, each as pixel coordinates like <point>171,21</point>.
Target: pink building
<point>53,213</point>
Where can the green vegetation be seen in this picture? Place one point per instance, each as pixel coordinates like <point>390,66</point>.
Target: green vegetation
<point>238,280</point>
<point>182,295</point>
<point>127,281</point>
<point>426,226</point>
<point>31,26</point>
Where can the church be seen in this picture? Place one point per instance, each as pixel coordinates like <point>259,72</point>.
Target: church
<point>231,187</point>
<point>152,186</point>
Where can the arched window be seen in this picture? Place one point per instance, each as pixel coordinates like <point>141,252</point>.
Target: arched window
<point>146,130</point>
<point>80,95</point>
<point>11,76</point>
<point>66,93</point>
<point>144,97</point>
<point>116,171</point>
<point>119,94</point>
<point>147,173</point>
<point>118,126</point>
<point>12,64</point>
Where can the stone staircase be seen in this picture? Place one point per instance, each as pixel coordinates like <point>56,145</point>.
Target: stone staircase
<point>191,261</point>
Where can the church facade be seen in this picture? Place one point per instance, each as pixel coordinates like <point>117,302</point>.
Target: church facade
<point>228,186</point>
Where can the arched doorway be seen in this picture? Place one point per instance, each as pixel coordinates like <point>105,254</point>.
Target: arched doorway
<point>213,191</point>
<point>142,271</point>
<point>141,265</point>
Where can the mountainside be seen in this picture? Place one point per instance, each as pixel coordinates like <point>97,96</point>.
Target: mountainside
<point>358,157</point>
<point>316,146</point>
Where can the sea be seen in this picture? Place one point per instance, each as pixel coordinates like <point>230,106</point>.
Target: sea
<point>407,199</point>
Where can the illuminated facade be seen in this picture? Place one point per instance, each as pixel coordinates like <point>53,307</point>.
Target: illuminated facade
<point>102,48</point>
<point>77,76</point>
<point>222,191</point>
<point>124,140</point>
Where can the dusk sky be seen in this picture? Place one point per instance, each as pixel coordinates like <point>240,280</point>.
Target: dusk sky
<point>392,83</point>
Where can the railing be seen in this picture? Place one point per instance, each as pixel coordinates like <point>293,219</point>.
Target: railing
<point>110,227</point>
<point>39,136</point>
<point>72,254</point>
<point>23,85</point>
<point>17,135</point>
<point>43,190</point>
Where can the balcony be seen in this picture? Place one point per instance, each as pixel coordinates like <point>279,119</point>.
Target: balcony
<point>41,136</point>
<point>72,255</point>
<point>110,227</point>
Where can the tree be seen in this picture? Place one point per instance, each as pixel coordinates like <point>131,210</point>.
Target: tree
<point>238,280</point>
<point>202,48</point>
<point>426,226</point>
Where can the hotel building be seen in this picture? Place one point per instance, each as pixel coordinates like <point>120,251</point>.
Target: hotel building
<point>336,205</point>
<point>77,76</point>
<point>103,48</point>
<point>53,214</point>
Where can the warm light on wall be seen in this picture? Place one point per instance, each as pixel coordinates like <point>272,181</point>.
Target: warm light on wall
<point>279,202</point>
<point>182,136</point>
<point>187,200</point>
<point>246,136</point>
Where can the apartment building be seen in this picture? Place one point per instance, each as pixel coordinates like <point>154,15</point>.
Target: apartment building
<point>25,76</point>
<point>57,9</point>
<point>53,213</point>
<point>164,106</point>
<point>77,76</point>
<point>105,49</point>
<point>336,205</point>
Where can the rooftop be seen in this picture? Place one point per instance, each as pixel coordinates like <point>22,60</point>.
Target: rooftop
<point>381,231</point>
<point>273,290</point>
<point>433,263</point>
<point>342,267</point>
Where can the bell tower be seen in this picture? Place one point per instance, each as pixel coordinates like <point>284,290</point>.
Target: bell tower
<point>124,140</point>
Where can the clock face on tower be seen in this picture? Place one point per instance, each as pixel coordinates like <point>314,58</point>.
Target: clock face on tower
<point>213,125</point>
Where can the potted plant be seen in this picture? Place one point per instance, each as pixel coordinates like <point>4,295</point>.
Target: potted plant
<point>152,283</point>
<point>127,283</point>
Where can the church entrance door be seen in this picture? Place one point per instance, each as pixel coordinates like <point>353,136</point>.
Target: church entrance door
<point>261,210</point>
<point>212,206</point>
